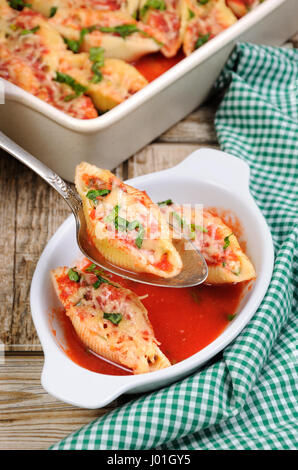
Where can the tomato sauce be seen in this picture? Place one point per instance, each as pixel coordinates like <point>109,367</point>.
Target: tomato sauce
<point>152,66</point>
<point>184,321</point>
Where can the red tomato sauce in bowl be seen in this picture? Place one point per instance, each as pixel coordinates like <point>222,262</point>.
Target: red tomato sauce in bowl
<point>184,321</point>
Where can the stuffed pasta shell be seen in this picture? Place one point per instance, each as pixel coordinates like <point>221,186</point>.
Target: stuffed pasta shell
<point>126,227</point>
<point>202,22</point>
<point>164,18</point>
<point>118,33</point>
<point>227,263</point>
<point>109,319</point>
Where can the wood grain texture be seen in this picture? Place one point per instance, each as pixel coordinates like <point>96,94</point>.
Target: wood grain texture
<point>29,417</point>
<point>30,213</point>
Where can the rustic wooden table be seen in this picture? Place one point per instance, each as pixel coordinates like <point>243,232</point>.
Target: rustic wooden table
<point>31,211</point>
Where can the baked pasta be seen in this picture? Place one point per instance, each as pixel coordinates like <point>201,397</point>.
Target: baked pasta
<point>227,263</point>
<point>80,55</point>
<point>109,319</point>
<point>126,227</point>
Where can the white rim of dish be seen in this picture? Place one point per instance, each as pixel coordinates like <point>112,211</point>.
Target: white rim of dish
<point>117,385</point>
<point>15,93</point>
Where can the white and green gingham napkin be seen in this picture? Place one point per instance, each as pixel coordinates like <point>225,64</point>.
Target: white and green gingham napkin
<point>246,399</point>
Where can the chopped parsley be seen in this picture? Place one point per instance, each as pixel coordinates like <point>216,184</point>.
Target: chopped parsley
<point>203,2</point>
<point>101,280</point>
<point>29,31</point>
<point>96,55</point>
<point>154,5</point>
<point>123,30</point>
<point>74,275</point>
<point>19,4</point>
<point>227,241</point>
<point>90,268</point>
<point>198,227</point>
<point>53,11</point>
<point>231,316</point>
<point>167,202</point>
<point>113,317</point>
<point>202,40</point>
<point>190,14</point>
<point>73,44</point>
<point>122,225</point>
<point>72,83</point>
<point>93,194</point>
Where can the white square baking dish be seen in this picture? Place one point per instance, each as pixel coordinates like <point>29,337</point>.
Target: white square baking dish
<point>61,141</point>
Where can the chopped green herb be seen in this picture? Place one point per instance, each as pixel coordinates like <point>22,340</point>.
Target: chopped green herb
<point>90,268</point>
<point>53,11</point>
<point>73,44</point>
<point>231,316</point>
<point>203,2</point>
<point>137,225</point>
<point>73,275</point>
<point>93,194</point>
<point>202,40</point>
<point>101,280</point>
<point>98,76</point>
<point>29,31</point>
<point>227,241</point>
<point>224,264</point>
<point>179,219</point>
<point>78,303</point>
<point>70,81</point>
<point>69,97</point>
<point>195,296</point>
<point>113,317</point>
<point>96,55</point>
<point>198,227</point>
<point>167,202</point>
<point>19,4</point>
<point>190,14</point>
<point>123,30</point>
<point>154,5</point>
<point>123,225</point>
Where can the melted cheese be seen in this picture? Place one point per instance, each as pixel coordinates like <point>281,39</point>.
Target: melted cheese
<point>131,342</point>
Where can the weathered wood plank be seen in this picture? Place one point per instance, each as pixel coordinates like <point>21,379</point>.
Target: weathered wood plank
<point>159,156</point>
<point>198,127</point>
<point>29,417</point>
<point>31,211</point>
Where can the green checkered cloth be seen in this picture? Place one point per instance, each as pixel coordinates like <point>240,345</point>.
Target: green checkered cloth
<point>246,399</point>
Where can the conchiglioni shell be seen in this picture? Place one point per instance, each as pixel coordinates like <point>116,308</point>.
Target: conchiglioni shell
<point>113,249</point>
<point>138,354</point>
<point>218,274</point>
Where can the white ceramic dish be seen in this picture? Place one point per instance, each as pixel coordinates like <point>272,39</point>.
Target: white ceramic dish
<point>62,142</point>
<point>207,176</point>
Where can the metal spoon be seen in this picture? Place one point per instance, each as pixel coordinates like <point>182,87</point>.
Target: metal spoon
<point>194,270</point>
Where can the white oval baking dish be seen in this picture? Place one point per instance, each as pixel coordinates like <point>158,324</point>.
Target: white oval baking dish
<point>61,141</point>
<point>207,176</point>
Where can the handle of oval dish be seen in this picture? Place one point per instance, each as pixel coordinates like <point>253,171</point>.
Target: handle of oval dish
<point>73,384</point>
<point>219,167</point>
<point>64,189</point>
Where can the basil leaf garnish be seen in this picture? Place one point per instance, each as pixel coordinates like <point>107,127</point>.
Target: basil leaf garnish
<point>29,31</point>
<point>202,40</point>
<point>167,202</point>
<point>113,317</point>
<point>93,194</point>
<point>73,275</point>
<point>70,81</point>
<point>227,241</point>
<point>53,11</point>
<point>154,5</point>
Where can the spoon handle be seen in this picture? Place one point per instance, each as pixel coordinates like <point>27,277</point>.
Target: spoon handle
<point>64,189</point>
